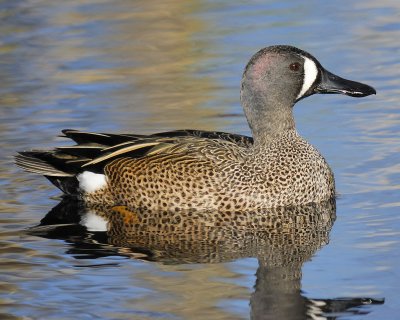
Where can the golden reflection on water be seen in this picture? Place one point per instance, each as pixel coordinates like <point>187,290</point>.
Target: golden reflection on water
<point>157,61</point>
<point>193,293</point>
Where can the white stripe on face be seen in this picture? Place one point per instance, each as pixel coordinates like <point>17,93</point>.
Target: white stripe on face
<point>310,75</point>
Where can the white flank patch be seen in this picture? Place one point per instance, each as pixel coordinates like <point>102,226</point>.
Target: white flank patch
<point>310,74</point>
<point>94,222</point>
<point>90,182</point>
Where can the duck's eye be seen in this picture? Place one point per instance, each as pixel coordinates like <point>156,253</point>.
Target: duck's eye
<point>295,66</point>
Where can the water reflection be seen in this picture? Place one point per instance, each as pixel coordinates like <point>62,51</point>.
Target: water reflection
<point>282,239</point>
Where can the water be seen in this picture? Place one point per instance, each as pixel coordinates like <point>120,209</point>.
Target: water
<point>146,66</point>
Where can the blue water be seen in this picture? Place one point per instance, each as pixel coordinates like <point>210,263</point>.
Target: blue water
<point>147,66</point>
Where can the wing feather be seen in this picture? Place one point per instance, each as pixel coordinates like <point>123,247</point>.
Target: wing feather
<point>95,150</point>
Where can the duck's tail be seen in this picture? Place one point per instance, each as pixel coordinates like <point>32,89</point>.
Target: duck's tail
<point>49,165</point>
<point>63,165</point>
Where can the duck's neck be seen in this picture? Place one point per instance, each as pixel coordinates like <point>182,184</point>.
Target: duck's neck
<point>268,116</point>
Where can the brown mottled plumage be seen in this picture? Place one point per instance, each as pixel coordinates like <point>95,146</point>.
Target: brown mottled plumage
<point>219,175</point>
<point>210,170</point>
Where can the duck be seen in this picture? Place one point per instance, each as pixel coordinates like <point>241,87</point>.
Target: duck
<point>209,170</point>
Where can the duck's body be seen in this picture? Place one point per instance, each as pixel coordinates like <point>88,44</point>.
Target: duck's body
<point>194,172</point>
<point>225,176</point>
<point>210,170</point>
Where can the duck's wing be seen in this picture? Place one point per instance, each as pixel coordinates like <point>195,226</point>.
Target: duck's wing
<point>107,139</point>
<point>240,140</point>
<point>93,151</point>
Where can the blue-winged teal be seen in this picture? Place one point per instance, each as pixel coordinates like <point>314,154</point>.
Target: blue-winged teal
<point>214,170</point>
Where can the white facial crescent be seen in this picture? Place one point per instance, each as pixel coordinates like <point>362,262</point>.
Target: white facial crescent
<point>310,75</point>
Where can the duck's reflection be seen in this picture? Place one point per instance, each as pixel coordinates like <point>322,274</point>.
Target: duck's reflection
<point>282,239</point>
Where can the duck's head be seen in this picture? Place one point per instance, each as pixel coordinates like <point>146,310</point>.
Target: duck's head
<point>277,77</point>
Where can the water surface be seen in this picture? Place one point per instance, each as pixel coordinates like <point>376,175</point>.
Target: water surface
<point>146,66</point>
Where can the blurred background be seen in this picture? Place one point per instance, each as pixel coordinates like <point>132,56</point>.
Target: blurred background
<point>147,66</point>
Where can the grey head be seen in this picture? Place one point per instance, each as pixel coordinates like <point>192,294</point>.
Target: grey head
<point>276,78</point>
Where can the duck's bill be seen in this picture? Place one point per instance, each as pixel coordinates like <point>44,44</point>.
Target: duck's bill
<point>331,83</point>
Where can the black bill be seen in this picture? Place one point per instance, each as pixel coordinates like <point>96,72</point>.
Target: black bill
<point>331,83</point>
